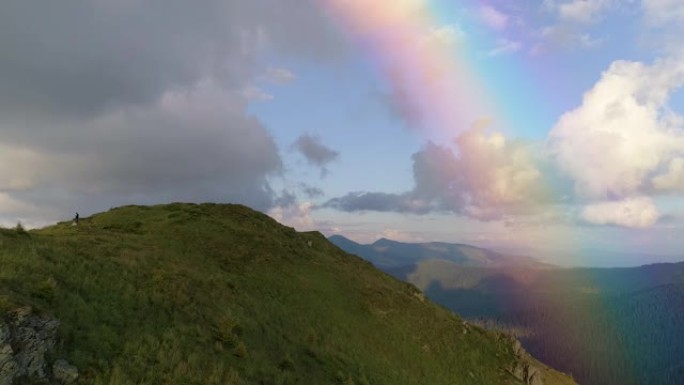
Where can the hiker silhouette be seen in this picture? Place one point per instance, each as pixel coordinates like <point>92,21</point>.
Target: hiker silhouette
<point>76,219</point>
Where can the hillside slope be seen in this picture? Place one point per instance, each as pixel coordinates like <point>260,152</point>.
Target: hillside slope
<point>220,294</point>
<point>604,325</point>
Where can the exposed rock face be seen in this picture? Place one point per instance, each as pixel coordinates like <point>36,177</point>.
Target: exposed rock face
<point>24,339</point>
<point>63,372</point>
<point>521,368</point>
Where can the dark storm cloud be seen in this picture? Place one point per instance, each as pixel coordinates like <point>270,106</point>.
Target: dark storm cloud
<point>80,57</point>
<point>141,101</point>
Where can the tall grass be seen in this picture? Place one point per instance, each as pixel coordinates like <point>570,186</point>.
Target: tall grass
<point>220,294</point>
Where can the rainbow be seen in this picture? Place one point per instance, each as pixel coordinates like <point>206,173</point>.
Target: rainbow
<point>435,73</point>
<point>440,81</point>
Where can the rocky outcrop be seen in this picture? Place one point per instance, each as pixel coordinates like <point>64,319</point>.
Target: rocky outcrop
<point>63,372</point>
<point>25,338</point>
<point>522,368</point>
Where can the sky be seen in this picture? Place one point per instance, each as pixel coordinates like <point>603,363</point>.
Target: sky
<point>553,128</point>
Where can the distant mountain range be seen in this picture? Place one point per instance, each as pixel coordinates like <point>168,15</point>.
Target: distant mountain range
<point>622,326</point>
<point>388,254</point>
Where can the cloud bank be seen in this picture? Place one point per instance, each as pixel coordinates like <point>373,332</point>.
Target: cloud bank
<point>111,102</point>
<point>610,158</point>
<point>485,176</point>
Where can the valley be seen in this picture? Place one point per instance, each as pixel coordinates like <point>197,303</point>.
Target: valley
<point>602,325</point>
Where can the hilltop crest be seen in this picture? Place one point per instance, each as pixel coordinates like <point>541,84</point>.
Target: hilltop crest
<point>216,294</point>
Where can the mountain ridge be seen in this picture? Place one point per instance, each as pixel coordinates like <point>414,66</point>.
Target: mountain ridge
<point>386,253</point>
<point>216,294</point>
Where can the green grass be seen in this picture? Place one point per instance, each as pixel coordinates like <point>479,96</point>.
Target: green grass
<point>220,294</point>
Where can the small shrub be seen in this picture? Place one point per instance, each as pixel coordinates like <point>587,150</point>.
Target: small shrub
<point>226,330</point>
<point>240,350</point>
<point>46,289</point>
<point>286,364</point>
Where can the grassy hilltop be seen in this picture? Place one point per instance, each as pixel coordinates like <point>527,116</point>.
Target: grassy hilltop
<point>221,294</point>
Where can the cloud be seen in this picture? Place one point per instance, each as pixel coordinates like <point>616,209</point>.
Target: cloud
<point>112,102</point>
<point>505,46</point>
<point>377,201</point>
<point>624,145</point>
<point>673,178</point>
<point>14,210</point>
<point>639,212</point>
<point>279,76</point>
<point>623,133</point>
<point>488,178</point>
<point>567,37</point>
<point>445,35</point>
<point>664,22</point>
<point>192,145</point>
<point>254,93</point>
<point>315,152</point>
<point>570,30</point>
<point>660,12</point>
<point>297,215</point>
<point>20,167</point>
<point>493,18</point>
<point>583,11</point>
<point>311,191</point>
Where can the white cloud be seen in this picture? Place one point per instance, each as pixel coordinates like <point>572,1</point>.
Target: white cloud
<point>583,11</point>
<point>488,178</point>
<point>505,47</point>
<point>574,17</point>
<point>446,35</point>
<point>279,75</point>
<point>663,11</point>
<point>637,212</point>
<point>565,37</point>
<point>256,94</point>
<point>673,179</point>
<point>493,17</point>
<point>507,172</point>
<point>617,140</point>
<point>297,215</point>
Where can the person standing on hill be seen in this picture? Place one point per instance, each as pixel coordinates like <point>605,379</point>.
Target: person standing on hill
<point>76,219</point>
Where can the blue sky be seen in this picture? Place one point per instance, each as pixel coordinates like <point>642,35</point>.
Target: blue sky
<point>558,51</point>
<point>567,142</point>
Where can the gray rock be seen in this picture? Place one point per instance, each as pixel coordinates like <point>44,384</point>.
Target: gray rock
<point>526,372</point>
<point>19,315</point>
<point>25,338</point>
<point>8,371</point>
<point>9,368</point>
<point>63,372</point>
<point>33,336</point>
<point>518,371</point>
<point>517,348</point>
<point>532,375</point>
<point>536,379</point>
